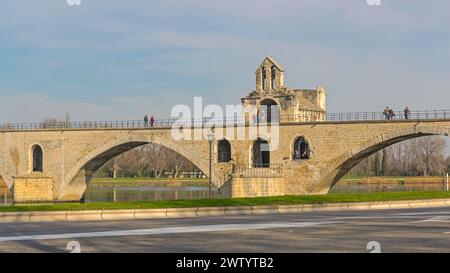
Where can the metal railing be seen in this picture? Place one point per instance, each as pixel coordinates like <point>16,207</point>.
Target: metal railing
<point>167,123</point>
<point>120,124</point>
<point>258,169</point>
<point>368,116</point>
<point>398,115</point>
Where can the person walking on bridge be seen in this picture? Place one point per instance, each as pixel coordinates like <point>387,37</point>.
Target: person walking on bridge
<point>407,113</point>
<point>386,112</point>
<point>152,121</point>
<point>146,120</point>
<point>391,114</point>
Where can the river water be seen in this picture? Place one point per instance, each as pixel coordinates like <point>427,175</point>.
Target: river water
<point>128,194</point>
<point>149,193</point>
<point>364,188</point>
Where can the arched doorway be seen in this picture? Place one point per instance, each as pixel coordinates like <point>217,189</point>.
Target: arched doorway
<point>261,154</point>
<point>37,158</point>
<point>223,151</point>
<point>301,149</point>
<point>268,111</point>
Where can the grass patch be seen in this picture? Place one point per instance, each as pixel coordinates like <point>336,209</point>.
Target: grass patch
<point>402,180</point>
<point>278,200</point>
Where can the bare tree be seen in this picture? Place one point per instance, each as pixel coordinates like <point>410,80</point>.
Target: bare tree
<point>115,167</point>
<point>49,122</point>
<point>176,163</point>
<point>149,160</point>
<point>429,156</point>
<point>421,156</point>
<point>447,164</point>
<point>158,158</point>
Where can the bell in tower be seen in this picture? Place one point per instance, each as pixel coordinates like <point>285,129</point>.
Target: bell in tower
<point>269,76</point>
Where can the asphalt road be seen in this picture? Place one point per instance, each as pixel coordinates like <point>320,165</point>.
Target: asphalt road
<point>408,230</point>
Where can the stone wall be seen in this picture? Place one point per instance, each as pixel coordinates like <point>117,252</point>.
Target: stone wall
<point>33,189</point>
<point>256,186</point>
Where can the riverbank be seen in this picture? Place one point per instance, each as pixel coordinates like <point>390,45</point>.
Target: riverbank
<point>258,201</point>
<point>399,180</point>
<point>203,182</point>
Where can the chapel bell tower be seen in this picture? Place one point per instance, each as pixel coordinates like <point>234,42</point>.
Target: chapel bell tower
<point>269,76</point>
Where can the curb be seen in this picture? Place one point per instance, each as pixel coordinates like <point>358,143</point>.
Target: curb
<point>240,210</point>
<point>182,212</point>
<point>107,215</point>
<point>150,213</point>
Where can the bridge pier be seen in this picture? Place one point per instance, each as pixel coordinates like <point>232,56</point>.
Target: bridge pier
<point>74,191</point>
<point>239,187</point>
<point>33,188</point>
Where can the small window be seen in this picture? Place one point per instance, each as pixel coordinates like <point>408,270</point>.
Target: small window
<point>301,149</point>
<point>272,77</point>
<point>224,151</point>
<point>37,158</point>
<point>263,78</point>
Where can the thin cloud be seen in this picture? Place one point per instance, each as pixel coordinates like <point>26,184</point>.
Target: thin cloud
<point>145,54</point>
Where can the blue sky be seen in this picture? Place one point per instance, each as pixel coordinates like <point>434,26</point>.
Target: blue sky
<point>110,59</point>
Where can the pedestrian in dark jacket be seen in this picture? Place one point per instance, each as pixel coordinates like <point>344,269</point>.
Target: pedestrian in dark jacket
<point>152,121</point>
<point>407,113</point>
<point>145,120</point>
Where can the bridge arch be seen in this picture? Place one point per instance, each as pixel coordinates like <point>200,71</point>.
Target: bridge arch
<point>7,180</point>
<point>352,158</point>
<point>9,167</point>
<point>77,179</point>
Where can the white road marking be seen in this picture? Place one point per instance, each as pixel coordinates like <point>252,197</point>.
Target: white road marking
<point>423,213</point>
<point>169,230</point>
<point>371,217</point>
<point>437,219</point>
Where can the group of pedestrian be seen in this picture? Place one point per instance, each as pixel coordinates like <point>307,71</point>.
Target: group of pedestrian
<point>146,121</point>
<point>390,114</point>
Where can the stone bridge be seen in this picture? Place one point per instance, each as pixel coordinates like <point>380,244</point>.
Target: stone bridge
<point>57,164</point>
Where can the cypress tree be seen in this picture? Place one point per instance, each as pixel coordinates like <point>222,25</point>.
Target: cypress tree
<point>377,164</point>
<point>384,166</point>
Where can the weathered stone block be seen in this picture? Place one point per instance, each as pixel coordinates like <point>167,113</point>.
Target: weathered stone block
<point>256,186</point>
<point>33,189</point>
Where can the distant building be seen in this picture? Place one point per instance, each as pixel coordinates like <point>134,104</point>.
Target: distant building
<point>273,100</point>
